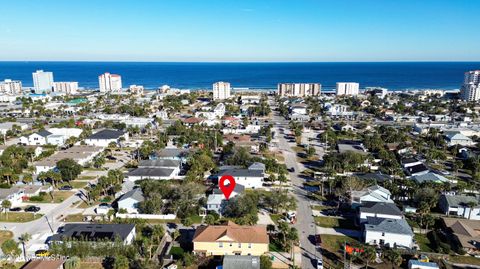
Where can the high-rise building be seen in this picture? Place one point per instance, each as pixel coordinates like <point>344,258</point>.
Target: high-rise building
<point>11,86</point>
<point>221,90</point>
<point>110,82</point>
<point>42,81</point>
<point>470,90</point>
<point>347,88</point>
<point>68,87</point>
<point>299,89</point>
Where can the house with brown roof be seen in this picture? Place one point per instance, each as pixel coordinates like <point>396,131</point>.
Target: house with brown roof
<point>230,239</point>
<point>465,232</point>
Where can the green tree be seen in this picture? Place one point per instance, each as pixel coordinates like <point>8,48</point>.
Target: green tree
<point>369,255</point>
<point>121,262</point>
<point>11,249</point>
<point>394,257</point>
<point>265,262</point>
<point>69,169</point>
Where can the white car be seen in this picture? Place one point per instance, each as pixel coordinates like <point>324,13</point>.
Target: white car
<point>319,264</point>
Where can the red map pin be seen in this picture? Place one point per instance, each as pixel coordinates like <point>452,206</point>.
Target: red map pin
<point>227,184</point>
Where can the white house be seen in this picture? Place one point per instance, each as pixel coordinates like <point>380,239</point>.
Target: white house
<point>105,137</point>
<point>130,200</point>
<point>14,195</point>
<point>371,194</point>
<point>300,109</point>
<point>387,232</point>
<point>459,205</point>
<point>457,138</point>
<point>416,264</point>
<point>155,173</point>
<point>81,154</point>
<point>249,178</point>
<point>52,136</point>
<point>7,126</point>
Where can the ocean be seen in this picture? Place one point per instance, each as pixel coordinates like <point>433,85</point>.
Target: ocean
<point>184,75</point>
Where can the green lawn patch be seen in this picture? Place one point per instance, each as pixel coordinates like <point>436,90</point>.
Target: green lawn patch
<point>423,242</point>
<point>465,260</point>
<point>76,184</point>
<point>19,217</point>
<point>58,197</point>
<point>275,218</point>
<point>274,247</point>
<point>5,235</point>
<point>322,207</point>
<point>334,243</point>
<point>177,252</point>
<point>329,222</point>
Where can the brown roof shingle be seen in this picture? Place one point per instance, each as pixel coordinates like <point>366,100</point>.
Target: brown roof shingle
<point>231,233</point>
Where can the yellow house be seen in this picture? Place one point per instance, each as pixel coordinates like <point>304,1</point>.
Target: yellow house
<point>230,239</point>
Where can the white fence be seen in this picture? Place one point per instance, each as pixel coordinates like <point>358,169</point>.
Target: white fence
<point>146,216</point>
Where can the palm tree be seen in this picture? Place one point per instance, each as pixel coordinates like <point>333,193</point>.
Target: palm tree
<point>394,257</point>
<point>369,255</point>
<point>24,238</point>
<point>6,204</point>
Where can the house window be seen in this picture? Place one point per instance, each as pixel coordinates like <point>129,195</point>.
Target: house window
<point>383,234</point>
<point>239,245</point>
<point>220,244</point>
<point>249,245</point>
<point>231,244</point>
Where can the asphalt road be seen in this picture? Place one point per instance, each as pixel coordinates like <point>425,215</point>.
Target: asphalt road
<point>305,222</point>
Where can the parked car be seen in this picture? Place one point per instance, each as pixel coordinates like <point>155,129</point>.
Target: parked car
<point>42,253</point>
<point>66,188</point>
<point>319,264</point>
<point>15,209</point>
<point>32,208</point>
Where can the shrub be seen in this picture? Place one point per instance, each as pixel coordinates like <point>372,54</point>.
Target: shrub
<point>36,199</point>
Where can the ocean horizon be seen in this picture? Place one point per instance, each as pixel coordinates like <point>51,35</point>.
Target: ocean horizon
<point>249,75</point>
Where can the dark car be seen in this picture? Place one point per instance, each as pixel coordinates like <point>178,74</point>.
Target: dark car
<point>32,208</point>
<point>66,188</point>
<point>15,209</point>
<point>292,169</point>
<point>318,240</point>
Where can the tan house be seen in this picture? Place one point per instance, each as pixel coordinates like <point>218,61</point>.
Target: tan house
<point>230,239</point>
<point>465,232</point>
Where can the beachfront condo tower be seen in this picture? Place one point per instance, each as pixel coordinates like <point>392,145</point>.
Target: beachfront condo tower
<point>110,82</point>
<point>470,90</point>
<point>42,81</point>
<point>221,90</point>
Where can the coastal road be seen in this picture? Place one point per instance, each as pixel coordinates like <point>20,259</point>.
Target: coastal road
<point>305,221</point>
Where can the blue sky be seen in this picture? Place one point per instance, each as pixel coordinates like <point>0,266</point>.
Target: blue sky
<point>234,30</point>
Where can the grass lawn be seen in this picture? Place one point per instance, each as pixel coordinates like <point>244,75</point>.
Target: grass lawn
<point>196,219</point>
<point>465,259</point>
<point>177,252</point>
<point>76,184</point>
<point>5,235</point>
<point>19,217</point>
<point>85,205</point>
<point>74,218</point>
<point>423,242</point>
<point>58,197</point>
<point>329,222</point>
<point>322,207</point>
<point>333,243</point>
<point>86,177</point>
<point>91,265</point>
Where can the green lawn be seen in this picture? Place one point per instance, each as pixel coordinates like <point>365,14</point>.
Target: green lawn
<point>76,184</point>
<point>91,265</point>
<point>329,222</point>
<point>196,219</point>
<point>86,177</point>
<point>58,197</point>
<point>423,242</point>
<point>177,252</point>
<point>85,205</point>
<point>275,218</point>
<point>74,218</point>
<point>274,247</point>
<point>19,217</point>
<point>333,243</point>
<point>465,260</point>
<point>322,207</point>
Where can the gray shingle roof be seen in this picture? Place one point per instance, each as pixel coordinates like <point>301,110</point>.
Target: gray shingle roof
<point>241,173</point>
<point>459,200</point>
<point>107,134</point>
<point>44,133</point>
<point>241,262</point>
<point>159,163</point>
<point>395,226</point>
<point>380,208</point>
<point>155,172</point>
<point>93,232</point>
<point>135,194</point>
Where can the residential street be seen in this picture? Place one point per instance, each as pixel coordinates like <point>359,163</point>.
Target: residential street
<point>305,222</point>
